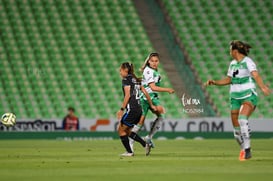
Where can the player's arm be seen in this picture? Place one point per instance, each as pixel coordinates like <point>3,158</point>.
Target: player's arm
<point>260,83</point>
<point>225,81</point>
<point>126,96</point>
<point>160,89</point>
<point>125,101</point>
<point>148,98</point>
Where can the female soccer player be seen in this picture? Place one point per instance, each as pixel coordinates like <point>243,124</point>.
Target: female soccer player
<point>151,82</point>
<point>131,89</point>
<point>242,75</point>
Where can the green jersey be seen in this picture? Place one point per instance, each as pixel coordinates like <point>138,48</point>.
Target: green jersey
<point>242,82</point>
<point>150,76</point>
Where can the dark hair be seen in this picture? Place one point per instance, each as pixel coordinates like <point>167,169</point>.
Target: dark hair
<point>71,109</point>
<point>130,68</point>
<point>242,47</point>
<point>146,62</point>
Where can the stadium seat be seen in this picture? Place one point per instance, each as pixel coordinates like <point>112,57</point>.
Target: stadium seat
<point>62,53</point>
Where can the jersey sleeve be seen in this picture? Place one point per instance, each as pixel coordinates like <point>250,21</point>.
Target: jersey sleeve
<point>126,81</point>
<point>251,66</point>
<point>229,73</point>
<point>148,76</point>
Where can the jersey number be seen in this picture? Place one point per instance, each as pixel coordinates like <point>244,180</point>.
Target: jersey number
<point>137,91</point>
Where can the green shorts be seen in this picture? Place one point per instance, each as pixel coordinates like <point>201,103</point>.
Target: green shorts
<point>235,104</point>
<point>146,106</point>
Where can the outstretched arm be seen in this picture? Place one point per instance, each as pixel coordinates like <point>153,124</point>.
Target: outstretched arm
<point>160,89</point>
<point>260,83</point>
<point>225,81</point>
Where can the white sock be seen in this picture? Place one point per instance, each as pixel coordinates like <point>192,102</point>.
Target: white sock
<point>131,143</point>
<point>136,128</point>
<point>245,131</point>
<point>155,127</point>
<point>238,137</point>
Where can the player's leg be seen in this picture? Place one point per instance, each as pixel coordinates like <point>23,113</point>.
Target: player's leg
<point>248,106</point>
<point>137,138</point>
<point>136,116</point>
<point>236,128</point>
<point>136,129</point>
<point>135,119</point>
<point>235,105</point>
<point>157,122</point>
<point>124,130</point>
<point>140,123</point>
<point>246,110</point>
<point>123,134</point>
<point>145,108</point>
<point>237,132</point>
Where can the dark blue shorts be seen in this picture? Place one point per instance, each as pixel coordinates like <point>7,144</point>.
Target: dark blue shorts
<point>131,117</point>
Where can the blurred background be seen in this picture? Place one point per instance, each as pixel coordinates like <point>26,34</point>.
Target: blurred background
<point>60,53</point>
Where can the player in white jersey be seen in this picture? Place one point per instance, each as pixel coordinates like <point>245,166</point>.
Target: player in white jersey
<point>151,82</point>
<point>242,75</point>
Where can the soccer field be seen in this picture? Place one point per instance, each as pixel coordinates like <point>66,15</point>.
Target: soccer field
<point>99,160</point>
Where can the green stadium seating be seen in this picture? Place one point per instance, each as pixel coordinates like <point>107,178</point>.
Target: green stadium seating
<point>62,53</point>
<point>207,27</point>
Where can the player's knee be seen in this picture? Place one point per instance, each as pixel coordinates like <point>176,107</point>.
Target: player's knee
<point>160,109</point>
<point>121,131</point>
<point>249,105</point>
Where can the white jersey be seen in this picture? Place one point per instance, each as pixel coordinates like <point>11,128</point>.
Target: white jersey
<point>242,82</point>
<point>150,75</point>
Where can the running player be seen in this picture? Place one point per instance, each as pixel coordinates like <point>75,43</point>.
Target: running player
<point>131,86</point>
<point>242,75</point>
<point>151,82</point>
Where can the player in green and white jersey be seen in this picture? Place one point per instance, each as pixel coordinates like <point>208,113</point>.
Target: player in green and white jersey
<point>242,76</point>
<point>151,82</point>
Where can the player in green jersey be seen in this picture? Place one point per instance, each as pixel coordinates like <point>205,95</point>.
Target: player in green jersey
<point>151,82</point>
<point>242,75</point>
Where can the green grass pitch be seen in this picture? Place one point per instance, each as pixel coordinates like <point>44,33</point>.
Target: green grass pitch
<point>186,160</point>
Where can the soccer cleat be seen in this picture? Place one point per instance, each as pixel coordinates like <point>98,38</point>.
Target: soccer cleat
<point>147,149</point>
<point>242,155</point>
<point>248,154</point>
<point>149,141</point>
<point>245,154</point>
<point>126,154</point>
